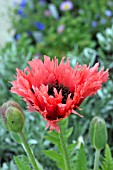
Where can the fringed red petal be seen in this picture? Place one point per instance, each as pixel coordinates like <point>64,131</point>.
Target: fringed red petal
<point>56,90</point>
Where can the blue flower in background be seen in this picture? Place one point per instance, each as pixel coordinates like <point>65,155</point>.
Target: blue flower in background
<point>94,24</point>
<point>108,13</point>
<point>39,26</point>
<point>23,3</point>
<point>97,16</point>
<point>17,36</point>
<point>21,13</point>
<point>29,33</point>
<point>103,21</point>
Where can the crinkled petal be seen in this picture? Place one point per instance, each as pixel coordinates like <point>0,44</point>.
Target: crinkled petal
<point>45,85</point>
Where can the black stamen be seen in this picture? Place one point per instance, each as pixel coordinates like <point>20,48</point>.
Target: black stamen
<point>32,90</point>
<point>65,91</point>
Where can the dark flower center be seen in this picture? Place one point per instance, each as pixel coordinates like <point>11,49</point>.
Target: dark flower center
<point>65,91</point>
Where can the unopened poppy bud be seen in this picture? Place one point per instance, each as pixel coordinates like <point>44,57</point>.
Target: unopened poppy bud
<point>12,115</point>
<point>14,119</point>
<point>7,104</point>
<point>98,133</point>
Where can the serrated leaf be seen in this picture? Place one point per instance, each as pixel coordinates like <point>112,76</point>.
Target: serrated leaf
<point>68,132</point>
<point>108,160</point>
<point>71,148</point>
<point>64,123</point>
<point>54,134</point>
<point>52,139</point>
<point>61,165</point>
<point>81,162</point>
<point>53,155</point>
<point>22,164</point>
<point>61,141</point>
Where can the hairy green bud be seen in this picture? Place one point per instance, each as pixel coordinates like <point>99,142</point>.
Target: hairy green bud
<point>13,116</point>
<point>15,119</point>
<point>98,133</point>
<point>7,104</point>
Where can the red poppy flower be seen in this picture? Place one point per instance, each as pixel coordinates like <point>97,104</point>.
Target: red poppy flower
<point>57,90</point>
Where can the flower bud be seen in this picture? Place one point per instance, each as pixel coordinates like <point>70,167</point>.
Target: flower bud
<point>4,107</point>
<point>15,119</point>
<point>13,116</point>
<point>98,133</point>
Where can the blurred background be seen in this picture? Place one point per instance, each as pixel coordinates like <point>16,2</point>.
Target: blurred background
<point>81,30</point>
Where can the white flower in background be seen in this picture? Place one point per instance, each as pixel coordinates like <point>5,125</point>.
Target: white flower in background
<point>53,11</point>
<point>66,6</point>
<point>80,141</point>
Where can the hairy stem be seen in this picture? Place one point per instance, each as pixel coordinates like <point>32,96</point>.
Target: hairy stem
<point>29,152</point>
<point>64,149</point>
<point>96,162</point>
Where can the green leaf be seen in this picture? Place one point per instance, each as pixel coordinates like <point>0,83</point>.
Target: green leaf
<point>16,137</point>
<point>22,163</point>
<point>81,162</point>
<point>108,160</point>
<point>71,148</point>
<point>53,134</point>
<point>68,132</point>
<point>64,124</point>
<point>53,155</point>
<point>55,138</point>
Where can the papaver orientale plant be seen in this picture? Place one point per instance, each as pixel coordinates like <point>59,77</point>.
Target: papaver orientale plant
<point>55,90</point>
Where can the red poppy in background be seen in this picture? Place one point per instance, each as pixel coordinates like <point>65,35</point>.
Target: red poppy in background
<point>57,90</point>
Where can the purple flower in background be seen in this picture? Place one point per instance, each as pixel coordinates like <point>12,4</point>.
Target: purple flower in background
<point>103,21</point>
<point>47,13</point>
<point>42,2</point>
<point>66,6</point>
<point>108,13</point>
<point>94,24</point>
<point>37,55</point>
<point>39,26</point>
<point>60,28</point>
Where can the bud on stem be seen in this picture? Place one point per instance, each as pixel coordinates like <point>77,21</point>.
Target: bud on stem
<point>13,116</point>
<point>15,119</point>
<point>98,133</point>
<point>98,136</point>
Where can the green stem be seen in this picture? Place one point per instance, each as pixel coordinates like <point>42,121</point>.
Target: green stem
<point>96,162</point>
<point>29,152</point>
<point>64,149</point>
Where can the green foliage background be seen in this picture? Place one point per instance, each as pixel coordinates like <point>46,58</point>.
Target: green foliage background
<point>81,42</point>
